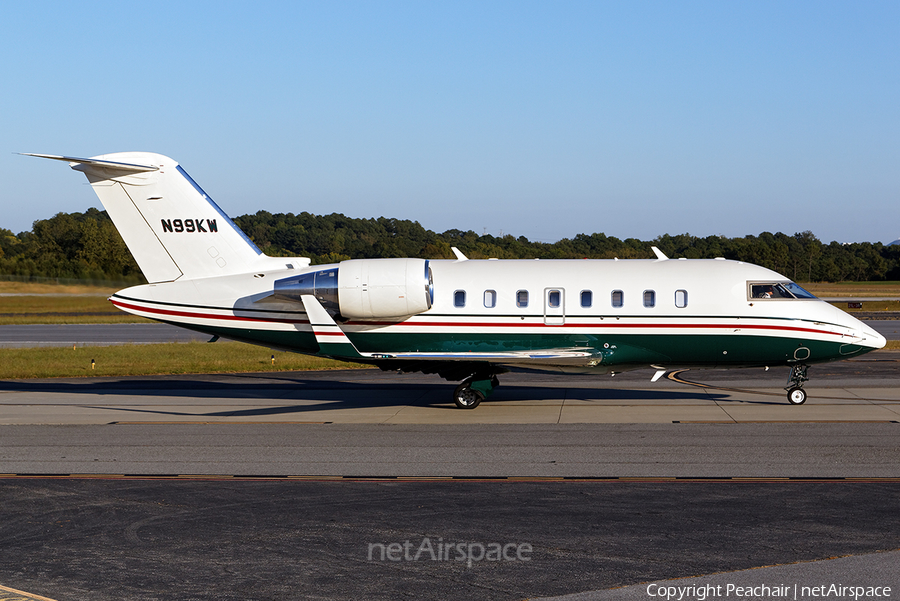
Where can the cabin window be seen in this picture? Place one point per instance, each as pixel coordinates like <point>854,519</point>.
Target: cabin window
<point>490,298</point>
<point>459,298</point>
<point>522,298</point>
<point>587,298</point>
<point>553,299</point>
<point>618,298</point>
<point>649,298</point>
<point>681,299</point>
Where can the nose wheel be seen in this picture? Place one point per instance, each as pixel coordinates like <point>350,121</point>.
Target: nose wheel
<point>796,396</point>
<point>795,393</point>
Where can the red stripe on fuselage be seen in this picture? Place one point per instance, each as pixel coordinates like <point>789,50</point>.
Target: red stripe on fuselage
<point>205,316</point>
<point>473,324</point>
<point>596,325</point>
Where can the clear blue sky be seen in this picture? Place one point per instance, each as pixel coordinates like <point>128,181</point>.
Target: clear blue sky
<point>542,119</point>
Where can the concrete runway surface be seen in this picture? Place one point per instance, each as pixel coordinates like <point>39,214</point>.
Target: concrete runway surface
<point>289,485</point>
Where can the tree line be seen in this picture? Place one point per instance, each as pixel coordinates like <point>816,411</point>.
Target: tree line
<point>88,246</point>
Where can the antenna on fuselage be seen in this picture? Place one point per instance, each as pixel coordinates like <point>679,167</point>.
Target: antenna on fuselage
<point>459,255</point>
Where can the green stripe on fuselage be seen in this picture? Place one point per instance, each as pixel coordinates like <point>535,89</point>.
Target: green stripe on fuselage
<point>296,341</point>
<point>615,349</point>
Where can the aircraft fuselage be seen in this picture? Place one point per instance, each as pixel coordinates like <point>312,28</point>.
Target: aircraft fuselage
<point>622,314</point>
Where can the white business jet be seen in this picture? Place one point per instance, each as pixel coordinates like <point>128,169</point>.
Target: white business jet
<point>466,320</point>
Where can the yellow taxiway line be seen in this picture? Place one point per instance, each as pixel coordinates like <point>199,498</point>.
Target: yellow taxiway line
<point>11,594</point>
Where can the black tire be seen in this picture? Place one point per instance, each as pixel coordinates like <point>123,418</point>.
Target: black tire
<point>796,396</point>
<point>465,397</point>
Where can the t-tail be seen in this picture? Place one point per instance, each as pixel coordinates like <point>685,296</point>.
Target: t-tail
<point>173,229</point>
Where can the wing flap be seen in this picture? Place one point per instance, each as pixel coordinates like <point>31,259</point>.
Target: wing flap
<point>536,355</point>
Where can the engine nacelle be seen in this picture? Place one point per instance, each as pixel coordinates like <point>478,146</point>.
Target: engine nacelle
<point>380,288</point>
<point>366,288</point>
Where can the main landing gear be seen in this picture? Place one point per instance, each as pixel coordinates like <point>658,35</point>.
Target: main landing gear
<point>474,389</point>
<point>795,393</point>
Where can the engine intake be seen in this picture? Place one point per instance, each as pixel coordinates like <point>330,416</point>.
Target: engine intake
<point>366,288</point>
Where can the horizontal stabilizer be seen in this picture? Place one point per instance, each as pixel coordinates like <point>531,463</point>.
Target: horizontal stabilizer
<point>129,167</point>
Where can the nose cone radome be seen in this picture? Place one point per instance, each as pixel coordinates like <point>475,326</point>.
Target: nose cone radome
<point>871,338</point>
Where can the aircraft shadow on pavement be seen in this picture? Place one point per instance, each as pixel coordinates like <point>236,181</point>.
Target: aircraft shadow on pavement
<point>299,395</point>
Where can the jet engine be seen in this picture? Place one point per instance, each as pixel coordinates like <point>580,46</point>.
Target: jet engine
<point>366,288</point>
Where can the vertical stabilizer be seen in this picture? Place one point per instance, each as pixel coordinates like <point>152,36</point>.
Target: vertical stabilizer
<point>170,225</point>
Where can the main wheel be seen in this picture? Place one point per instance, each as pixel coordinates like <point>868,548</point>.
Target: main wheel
<point>796,396</point>
<point>465,397</point>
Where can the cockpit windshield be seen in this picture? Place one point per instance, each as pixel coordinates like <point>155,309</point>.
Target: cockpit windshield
<point>797,291</point>
<point>782,290</point>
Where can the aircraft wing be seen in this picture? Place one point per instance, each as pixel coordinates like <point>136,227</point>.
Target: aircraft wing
<point>333,342</point>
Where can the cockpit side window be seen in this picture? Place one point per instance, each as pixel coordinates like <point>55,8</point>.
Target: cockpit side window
<point>766,290</point>
<point>777,290</point>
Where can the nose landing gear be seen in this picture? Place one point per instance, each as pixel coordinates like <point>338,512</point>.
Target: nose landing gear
<point>795,393</point>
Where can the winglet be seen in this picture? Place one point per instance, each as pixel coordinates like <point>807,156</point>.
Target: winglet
<point>459,255</point>
<point>331,338</point>
<point>659,254</point>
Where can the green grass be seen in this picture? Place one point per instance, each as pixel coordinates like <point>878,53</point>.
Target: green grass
<point>153,359</point>
<point>870,306</point>
<point>15,287</point>
<point>51,308</point>
<point>853,288</point>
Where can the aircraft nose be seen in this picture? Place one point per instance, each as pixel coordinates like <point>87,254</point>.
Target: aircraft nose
<point>871,338</point>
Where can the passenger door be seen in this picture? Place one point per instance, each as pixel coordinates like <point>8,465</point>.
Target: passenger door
<point>554,306</point>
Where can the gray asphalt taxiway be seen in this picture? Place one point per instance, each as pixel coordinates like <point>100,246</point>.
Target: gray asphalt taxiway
<point>95,334</point>
<point>362,484</point>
